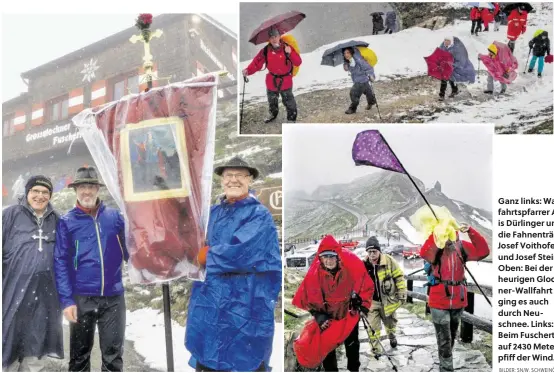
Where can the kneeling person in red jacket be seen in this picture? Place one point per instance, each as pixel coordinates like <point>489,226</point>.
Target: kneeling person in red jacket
<point>448,297</point>
<point>88,262</point>
<point>279,59</point>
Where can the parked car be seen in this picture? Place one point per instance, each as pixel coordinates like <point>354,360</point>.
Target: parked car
<point>302,258</point>
<point>348,244</point>
<point>411,252</point>
<point>395,250</point>
<point>360,253</point>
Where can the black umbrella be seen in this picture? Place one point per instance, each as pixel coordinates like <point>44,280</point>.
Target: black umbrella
<point>333,56</point>
<point>511,6</point>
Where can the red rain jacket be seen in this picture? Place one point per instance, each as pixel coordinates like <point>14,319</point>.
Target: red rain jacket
<point>496,9</point>
<point>475,14</point>
<point>487,17</point>
<point>277,64</point>
<point>320,291</point>
<point>452,269</point>
<point>517,24</point>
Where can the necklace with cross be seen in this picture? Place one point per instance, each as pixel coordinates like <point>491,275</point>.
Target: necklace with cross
<point>40,237</point>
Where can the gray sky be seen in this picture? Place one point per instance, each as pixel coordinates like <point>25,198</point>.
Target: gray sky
<point>459,156</point>
<point>24,46</point>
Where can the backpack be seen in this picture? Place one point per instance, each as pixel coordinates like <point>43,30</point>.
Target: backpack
<point>437,263</point>
<point>368,55</point>
<point>290,41</point>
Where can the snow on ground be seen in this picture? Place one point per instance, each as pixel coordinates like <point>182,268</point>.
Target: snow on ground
<point>145,327</point>
<point>278,175</point>
<point>458,204</point>
<point>409,231</point>
<point>482,220</point>
<point>243,153</point>
<point>400,55</point>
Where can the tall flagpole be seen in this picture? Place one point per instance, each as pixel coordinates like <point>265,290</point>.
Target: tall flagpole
<point>145,36</point>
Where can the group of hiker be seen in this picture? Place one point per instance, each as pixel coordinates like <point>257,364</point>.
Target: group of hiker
<point>340,289</point>
<point>282,61</point>
<point>390,22</point>
<point>72,265</point>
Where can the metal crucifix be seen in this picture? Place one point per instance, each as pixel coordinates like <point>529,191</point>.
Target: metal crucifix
<point>40,237</point>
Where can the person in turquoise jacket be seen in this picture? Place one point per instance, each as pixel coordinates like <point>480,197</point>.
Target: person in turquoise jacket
<point>230,324</point>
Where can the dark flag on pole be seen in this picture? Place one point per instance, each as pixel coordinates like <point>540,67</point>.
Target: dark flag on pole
<point>371,149</point>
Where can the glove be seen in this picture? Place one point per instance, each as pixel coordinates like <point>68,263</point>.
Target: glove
<point>320,317</point>
<point>506,75</point>
<point>364,310</point>
<point>345,66</point>
<point>202,256</point>
<point>371,78</point>
<point>355,301</point>
<point>245,72</point>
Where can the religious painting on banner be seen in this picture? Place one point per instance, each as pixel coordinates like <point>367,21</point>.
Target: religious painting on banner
<point>151,164</point>
<point>155,154</point>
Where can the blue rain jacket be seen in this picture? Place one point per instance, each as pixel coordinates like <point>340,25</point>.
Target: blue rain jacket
<point>464,71</point>
<point>230,322</point>
<point>89,254</point>
<point>361,71</point>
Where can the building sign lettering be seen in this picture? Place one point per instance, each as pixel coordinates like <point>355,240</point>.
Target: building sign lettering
<point>58,134</point>
<point>272,198</point>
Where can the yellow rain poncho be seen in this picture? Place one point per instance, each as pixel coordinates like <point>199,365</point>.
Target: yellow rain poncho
<point>426,224</point>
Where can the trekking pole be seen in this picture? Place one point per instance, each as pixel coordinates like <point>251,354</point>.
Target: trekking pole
<point>242,103</point>
<point>375,98</point>
<point>291,314</point>
<point>478,70</point>
<point>475,281</point>
<point>366,325</point>
<point>525,67</point>
<point>413,273</point>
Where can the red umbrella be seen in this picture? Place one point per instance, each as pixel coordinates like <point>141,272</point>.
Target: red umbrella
<point>440,64</point>
<point>284,23</point>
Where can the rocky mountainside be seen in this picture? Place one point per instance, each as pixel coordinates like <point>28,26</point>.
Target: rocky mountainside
<point>383,198</point>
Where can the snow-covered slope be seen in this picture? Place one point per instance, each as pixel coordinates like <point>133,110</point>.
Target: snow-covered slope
<point>401,55</point>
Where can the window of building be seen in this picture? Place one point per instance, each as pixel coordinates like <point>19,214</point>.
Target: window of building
<point>58,109</point>
<point>123,85</point>
<point>7,125</point>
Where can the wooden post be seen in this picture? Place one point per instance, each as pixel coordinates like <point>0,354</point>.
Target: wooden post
<point>410,285</point>
<point>466,333</point>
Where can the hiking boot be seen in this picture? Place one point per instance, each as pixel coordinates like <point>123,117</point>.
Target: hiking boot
<point>502,91</point>
<point>539,75</point>
<point>488,92</point>
<point>369,106</point>
<point>454,93</point>
<point>351,110</point>
<point>530,70</point>
<point>393,341</point>
<point>441,98</point>
<point>270,119</point>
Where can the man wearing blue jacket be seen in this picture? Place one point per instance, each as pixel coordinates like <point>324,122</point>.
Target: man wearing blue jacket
<point>88,261</point>
<point>361,73</point>
<point>230,322</point>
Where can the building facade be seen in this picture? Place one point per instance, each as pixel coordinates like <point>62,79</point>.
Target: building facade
<point>38,136</point>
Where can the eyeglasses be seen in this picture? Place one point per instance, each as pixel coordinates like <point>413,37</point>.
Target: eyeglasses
<point>328,256</point>
<point>36,192</point>
<point>239,177</point>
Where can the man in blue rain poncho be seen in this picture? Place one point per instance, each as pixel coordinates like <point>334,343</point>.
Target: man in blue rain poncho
<point>230,323</point>
<point>463,68</point>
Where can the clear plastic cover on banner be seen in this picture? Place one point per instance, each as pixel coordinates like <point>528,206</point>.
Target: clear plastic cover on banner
<point>154,151</point>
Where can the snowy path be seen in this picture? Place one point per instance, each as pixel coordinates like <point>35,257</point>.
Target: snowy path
<point>416,350</point>
<point>404,92</point>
